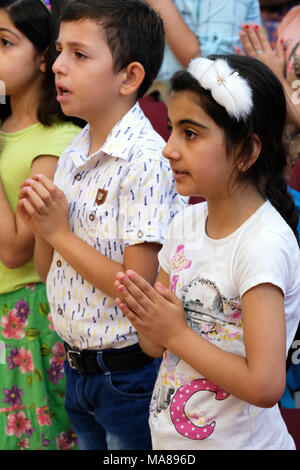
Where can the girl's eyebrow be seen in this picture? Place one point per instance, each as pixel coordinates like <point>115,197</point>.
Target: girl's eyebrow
<point>9,31</point>
<point>190,121</point>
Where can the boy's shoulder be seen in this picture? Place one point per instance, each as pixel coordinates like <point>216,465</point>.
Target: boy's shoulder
<point>134,138</point>
<point>150,142</point>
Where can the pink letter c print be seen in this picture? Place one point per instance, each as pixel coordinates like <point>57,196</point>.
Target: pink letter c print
<point>182,423</point>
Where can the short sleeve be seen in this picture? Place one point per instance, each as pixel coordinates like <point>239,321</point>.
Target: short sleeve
<point>176,235</point>
<point>164,255</point>
<point>253,14</point>
<point>271,259</point>
<point>59,138</point>
<point>148,202</point>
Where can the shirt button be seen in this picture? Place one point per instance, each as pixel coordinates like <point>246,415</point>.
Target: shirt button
<point>140,234</point>
<point>91,217</point>
<point>78,177</point>
<point>59,311</point>
<point>58,263</point>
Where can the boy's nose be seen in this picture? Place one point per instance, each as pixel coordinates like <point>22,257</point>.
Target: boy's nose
<point>59,65</point>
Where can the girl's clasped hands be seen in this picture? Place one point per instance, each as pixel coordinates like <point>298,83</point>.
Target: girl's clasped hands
<point>155,312</point>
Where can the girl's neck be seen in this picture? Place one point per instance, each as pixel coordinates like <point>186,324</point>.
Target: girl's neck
<point>227,215</point>
<point>24,107</point>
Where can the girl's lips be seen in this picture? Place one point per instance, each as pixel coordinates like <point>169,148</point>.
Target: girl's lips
<point>178,175</point>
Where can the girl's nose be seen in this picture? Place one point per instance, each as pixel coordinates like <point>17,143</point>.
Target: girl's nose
<point>171,151</point>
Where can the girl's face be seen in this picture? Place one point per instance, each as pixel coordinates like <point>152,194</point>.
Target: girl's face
<point>196,150</point>
<point>20,64</point>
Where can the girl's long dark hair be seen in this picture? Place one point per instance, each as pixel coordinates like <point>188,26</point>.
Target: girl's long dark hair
<point>40,27</point>
<point>267,121</point>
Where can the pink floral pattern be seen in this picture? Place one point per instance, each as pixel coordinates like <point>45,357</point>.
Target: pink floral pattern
<point>43,416</point>
<point>17,424</point>
<point>13,326</point>
<point>32,386</point>
<point>179,263</point>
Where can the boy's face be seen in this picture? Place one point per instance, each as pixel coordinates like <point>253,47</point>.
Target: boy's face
<point>86,84</point>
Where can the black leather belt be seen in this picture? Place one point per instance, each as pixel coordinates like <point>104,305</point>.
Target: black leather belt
<point>114,359</point>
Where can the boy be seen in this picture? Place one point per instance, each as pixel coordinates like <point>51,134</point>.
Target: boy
<point>112,198</point>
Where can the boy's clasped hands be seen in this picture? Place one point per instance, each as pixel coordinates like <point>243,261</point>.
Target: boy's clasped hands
<point>155,312</point>
<point>43,208</point>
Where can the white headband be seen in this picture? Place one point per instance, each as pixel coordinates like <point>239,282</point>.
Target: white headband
<point>227,87</point>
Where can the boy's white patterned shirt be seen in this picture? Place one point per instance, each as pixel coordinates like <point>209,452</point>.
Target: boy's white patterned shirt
<point>122,195</point>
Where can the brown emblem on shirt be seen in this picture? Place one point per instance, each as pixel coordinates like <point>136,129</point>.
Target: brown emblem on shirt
<point>101,196</point>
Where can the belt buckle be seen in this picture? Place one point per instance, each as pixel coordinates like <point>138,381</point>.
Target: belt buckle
<point>69,352</point>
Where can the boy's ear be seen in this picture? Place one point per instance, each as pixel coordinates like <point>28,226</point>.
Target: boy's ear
<point>134,76</point>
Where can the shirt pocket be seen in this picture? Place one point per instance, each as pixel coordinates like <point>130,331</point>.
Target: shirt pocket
<point>99,222</point>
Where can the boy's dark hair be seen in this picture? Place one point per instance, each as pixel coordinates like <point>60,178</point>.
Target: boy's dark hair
<point>266,120</point>
<point>134,32</point>
<point>40,27</point>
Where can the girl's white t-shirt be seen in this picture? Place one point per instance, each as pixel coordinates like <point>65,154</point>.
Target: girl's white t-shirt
<point>210,277</point>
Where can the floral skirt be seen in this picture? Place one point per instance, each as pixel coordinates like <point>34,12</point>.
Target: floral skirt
<point>32,382</point>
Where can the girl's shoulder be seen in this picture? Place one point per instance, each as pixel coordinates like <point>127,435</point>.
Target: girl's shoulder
<point>191,215</point>
<point>266,239</point>
<point>56,137</point>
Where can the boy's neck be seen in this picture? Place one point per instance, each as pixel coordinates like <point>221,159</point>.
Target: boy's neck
<point>102,124</point>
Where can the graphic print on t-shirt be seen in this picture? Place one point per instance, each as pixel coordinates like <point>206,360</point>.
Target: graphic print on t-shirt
<point>210,313</point>
<point>192,400</point>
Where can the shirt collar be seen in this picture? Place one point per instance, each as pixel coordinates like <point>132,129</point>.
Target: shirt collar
<point>125,133</point>
<point>119,141</point>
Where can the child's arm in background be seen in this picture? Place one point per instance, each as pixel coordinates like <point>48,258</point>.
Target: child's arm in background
<point>47,207</point>
<point>258,378</point>
<point>43,254</point>
<point>176,29</point>
<point>16,238</point>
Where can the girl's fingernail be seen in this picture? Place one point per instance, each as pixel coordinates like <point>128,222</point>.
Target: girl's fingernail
<point>247,26</point>
<point>256,26</point>
<point>159,287</point>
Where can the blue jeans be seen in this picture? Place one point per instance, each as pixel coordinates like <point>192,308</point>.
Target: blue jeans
<point>110,410</point>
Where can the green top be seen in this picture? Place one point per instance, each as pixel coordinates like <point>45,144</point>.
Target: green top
<point>17,152</point>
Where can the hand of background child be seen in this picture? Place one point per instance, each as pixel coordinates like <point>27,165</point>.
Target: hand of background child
<point>156,313</point>
<point>256,44</point>
<point>43,208</point>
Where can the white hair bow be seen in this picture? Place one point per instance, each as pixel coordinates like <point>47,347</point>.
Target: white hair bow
<point>227,87</point>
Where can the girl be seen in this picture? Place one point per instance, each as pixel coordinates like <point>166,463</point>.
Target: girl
<point>33,135</point>
<point>232,264</point>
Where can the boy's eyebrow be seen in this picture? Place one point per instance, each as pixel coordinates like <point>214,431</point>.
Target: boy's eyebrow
<point>73,44</point>
<point>9,31</point>
<point>190,121</point>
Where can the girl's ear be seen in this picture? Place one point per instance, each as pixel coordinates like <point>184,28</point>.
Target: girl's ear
<point>134,76</point>
<point>42,59</point>
<point>245,165</point>
<point>43,65</point>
